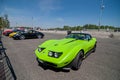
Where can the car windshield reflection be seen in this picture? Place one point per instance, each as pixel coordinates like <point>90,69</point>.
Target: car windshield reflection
<point>76,36</point>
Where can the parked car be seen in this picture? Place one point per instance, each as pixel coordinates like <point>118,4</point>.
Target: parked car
<point>15,32</point>
<point>117,30</point>
<point>7,32</point>
<point>28,34</point>
<point>66,53</point>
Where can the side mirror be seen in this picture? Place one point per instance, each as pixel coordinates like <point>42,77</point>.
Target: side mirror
<point>88,39</point>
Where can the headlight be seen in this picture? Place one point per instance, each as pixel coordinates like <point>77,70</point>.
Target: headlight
<point>50,54</point>
<point>54,54</point>
<point>40,49</point>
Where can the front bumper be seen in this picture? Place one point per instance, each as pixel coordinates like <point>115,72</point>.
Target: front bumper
<point>15,37</point>
<point>44,59</point>
<point>46,63</point>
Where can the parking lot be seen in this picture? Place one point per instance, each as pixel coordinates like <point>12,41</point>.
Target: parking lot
<point>104,64</point>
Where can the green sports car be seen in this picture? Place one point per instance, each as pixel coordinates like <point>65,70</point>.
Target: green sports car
<point>66,53</point>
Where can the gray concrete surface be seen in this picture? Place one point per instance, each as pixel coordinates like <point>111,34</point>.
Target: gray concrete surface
<point>104,64</point>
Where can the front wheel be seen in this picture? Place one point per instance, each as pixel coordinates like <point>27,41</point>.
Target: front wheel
<point>39,36</point>
<point>78,61</point>
<point>94,48</point>
<point>22,37</point>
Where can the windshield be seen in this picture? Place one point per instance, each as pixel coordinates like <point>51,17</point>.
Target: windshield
<point>76,36</point>
<point>15,30</point>
<point>20,32</point>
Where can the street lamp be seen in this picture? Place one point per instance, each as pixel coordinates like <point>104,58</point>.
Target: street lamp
<point>101,11</point>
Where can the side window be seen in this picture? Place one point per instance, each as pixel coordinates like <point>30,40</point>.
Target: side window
<point>88,37</point>
<point>30,32</point>
<point>34,31</point>
<point>81,36</point>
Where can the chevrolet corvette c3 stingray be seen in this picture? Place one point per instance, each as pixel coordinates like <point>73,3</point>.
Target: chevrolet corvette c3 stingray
<point>67,52</point>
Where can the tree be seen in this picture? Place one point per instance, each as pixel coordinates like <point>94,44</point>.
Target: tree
<point>86,26</point>
<point>1,22</point>
<point>66,27</point>
<point>4,22</point>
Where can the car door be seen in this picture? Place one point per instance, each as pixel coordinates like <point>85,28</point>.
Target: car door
<point>27,34</point>
<point>89,42</point>
<point>32,34</point>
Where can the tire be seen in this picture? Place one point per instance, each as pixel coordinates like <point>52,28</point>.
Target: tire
<point>5,34</point>
<point>78,61</point>
<point>94,49</point>
<point>22,37</point>
<point>38,62</point>
<point>39,36</point>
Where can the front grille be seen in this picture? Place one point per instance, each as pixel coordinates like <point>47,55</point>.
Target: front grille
<point>46,63</point>
<point>51,64</point>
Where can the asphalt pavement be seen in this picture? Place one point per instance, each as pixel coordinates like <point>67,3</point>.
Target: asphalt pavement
<point>104,64</point>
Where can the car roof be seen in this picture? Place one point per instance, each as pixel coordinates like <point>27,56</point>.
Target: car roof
<point>81,33</point>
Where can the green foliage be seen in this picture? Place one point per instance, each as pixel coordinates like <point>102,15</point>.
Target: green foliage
<point>4,22</point>
<point>1,22</point>
<point>84,27</point>
<point>90,26</point>
<point>66,27</point>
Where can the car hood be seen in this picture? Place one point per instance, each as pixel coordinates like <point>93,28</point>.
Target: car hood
<point>64,45</point>
<point>12,33</point>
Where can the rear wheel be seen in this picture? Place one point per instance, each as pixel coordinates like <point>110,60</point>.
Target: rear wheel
<point>94,49</point>
<point>22,37</point>
<point>78,61</point>
<point>39,36</point>
<point>6,34</point>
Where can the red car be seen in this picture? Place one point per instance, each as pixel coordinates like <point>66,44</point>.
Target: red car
<point>7,32</point>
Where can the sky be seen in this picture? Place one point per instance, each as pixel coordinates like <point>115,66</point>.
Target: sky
<point>57,13</point>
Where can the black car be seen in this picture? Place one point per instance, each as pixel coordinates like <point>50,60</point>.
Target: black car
<point>117,30</point>
<point>28,34</point>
